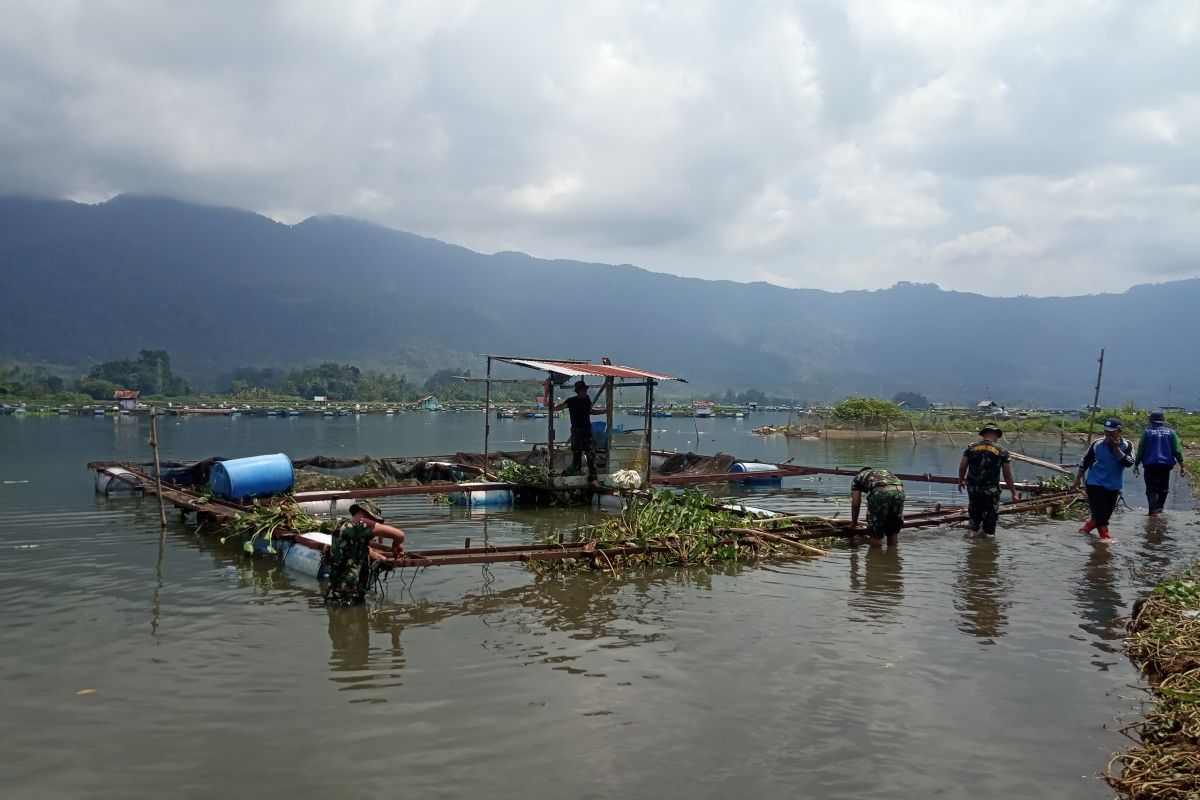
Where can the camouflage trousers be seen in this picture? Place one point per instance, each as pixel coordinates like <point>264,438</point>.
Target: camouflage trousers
<point>885,511</point>
<point>349,565</point>
<point>983,508</point>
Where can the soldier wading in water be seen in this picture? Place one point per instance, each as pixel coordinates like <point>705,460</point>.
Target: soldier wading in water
<point>979,472</point>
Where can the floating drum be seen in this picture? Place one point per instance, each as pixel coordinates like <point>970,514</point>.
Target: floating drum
<point>115,480</point>
<point>752,467</point>
<point>481,497</point>
<point>307,554</point>
<point>257,476</point>
<point>600,434</point>
<point>328,508</point>
<point>609,502</point>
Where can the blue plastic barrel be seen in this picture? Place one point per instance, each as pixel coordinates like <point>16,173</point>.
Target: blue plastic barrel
<point>752,467</point>
<point>600,434</point>
<point>257,476</point>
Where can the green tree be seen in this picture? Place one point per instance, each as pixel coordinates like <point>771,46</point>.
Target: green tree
<point>862,409</point>
<point>150,373</point>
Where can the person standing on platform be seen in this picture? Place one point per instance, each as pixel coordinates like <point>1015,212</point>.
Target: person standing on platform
<point>885,504</point>
<point>979,472</point>
<point>1104,463</point>
<point>1158,451</point>
<point>582,441</point>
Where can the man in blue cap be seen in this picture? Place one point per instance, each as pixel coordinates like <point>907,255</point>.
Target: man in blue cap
<point>1157,452</point>
<point>1104,463</point>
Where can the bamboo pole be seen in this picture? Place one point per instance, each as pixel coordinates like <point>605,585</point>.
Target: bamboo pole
<point>162,512</point>
<point>1020,434</point>
<point>771,537</point>
<point>487,414</point>
<point>1096,399</point>
<point>946,428</point>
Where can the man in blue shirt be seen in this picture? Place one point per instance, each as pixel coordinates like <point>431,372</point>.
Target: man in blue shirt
<point>1158,451</point>
<point>1104,463</point>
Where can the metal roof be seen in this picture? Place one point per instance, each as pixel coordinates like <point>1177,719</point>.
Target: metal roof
<point>587,368</point>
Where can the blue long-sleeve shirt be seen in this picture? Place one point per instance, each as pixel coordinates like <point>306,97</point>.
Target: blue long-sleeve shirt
<point>1104,467</point>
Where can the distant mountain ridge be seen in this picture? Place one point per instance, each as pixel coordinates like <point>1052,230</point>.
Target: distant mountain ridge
<point>220,288</point>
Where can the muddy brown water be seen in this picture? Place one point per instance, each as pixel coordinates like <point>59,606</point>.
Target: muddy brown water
<point>949,667</point>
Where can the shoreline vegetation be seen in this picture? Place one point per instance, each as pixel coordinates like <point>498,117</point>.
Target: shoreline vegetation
<point>1164,642</point>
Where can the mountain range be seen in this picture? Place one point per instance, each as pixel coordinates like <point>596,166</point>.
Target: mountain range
<point>220,288</point>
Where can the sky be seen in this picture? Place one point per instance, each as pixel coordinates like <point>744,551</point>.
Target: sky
<point>1006,148</point>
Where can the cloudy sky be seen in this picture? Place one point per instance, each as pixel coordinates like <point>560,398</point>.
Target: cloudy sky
<point>1000,147</point>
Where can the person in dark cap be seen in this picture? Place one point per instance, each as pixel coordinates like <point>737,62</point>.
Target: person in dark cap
<point>1104,463</point>
<point>366,513</point>
<point>1158,451</point>
<point>582,442</point>
<point>885,504</point>
<point>979,473</point>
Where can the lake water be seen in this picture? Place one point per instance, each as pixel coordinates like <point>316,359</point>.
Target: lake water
<point>951,667</point>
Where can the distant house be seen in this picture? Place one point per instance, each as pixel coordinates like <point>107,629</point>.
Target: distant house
<point>428,403</point>
<point>989,407</point>
<point>126,399</point>
<point>320,399</point>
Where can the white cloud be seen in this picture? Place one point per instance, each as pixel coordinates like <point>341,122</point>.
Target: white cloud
<point>823,145</point>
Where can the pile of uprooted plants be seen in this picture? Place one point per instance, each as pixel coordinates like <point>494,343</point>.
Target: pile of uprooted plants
<point>1164,641</point>
<point>663,529</point>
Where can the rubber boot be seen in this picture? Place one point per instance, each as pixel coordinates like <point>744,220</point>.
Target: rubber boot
<point>1105,536</point>
<point>1152,503</point>
<point>1088,527</point>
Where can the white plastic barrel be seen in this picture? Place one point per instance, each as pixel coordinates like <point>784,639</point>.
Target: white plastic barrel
<point>116,480</point>
<point>481,497</point>
<point>338,507</point>
<point>307,553</point>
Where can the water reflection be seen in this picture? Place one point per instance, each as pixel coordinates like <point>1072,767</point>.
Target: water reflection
<point>355,664</point>
<point>982,591</point>
<point>1100,604</point>
<point>876,581</point>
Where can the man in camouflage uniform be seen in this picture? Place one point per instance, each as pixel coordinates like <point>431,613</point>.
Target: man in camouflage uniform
<point>350,565</point>
<point>979,472</point>
<point>885,504</point>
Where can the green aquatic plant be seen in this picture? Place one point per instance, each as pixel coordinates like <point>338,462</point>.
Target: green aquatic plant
<point>664,529</point>
<point>523,474</point>
<point>265,521</point>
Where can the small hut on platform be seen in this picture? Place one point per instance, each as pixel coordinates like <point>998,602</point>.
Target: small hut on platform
<point>617,447</point>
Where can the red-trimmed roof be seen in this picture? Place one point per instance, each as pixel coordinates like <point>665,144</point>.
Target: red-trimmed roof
<point>126,394</point>
<point>587,368</point>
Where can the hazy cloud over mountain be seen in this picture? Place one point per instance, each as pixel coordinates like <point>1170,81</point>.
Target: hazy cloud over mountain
<point>1007,147</point>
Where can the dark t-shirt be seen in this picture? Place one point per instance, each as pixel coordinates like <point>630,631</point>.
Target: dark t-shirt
<point>580,408</point>
<point>984,462</point>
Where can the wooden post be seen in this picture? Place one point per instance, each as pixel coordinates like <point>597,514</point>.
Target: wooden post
<point>608,422</point>
<point>162,513</point>
<point>1020,435</point>
<point>1062,438</point>
<point>487,416</point>
<point>1096,399</point>
<point>550,423</point>
<point>946,428</point>
<point>649,428</point>
<point>914,429</point>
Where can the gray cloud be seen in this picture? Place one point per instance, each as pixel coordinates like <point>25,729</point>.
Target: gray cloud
<point>1010,147</point>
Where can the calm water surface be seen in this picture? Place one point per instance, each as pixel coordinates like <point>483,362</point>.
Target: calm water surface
<point>951,667</point>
